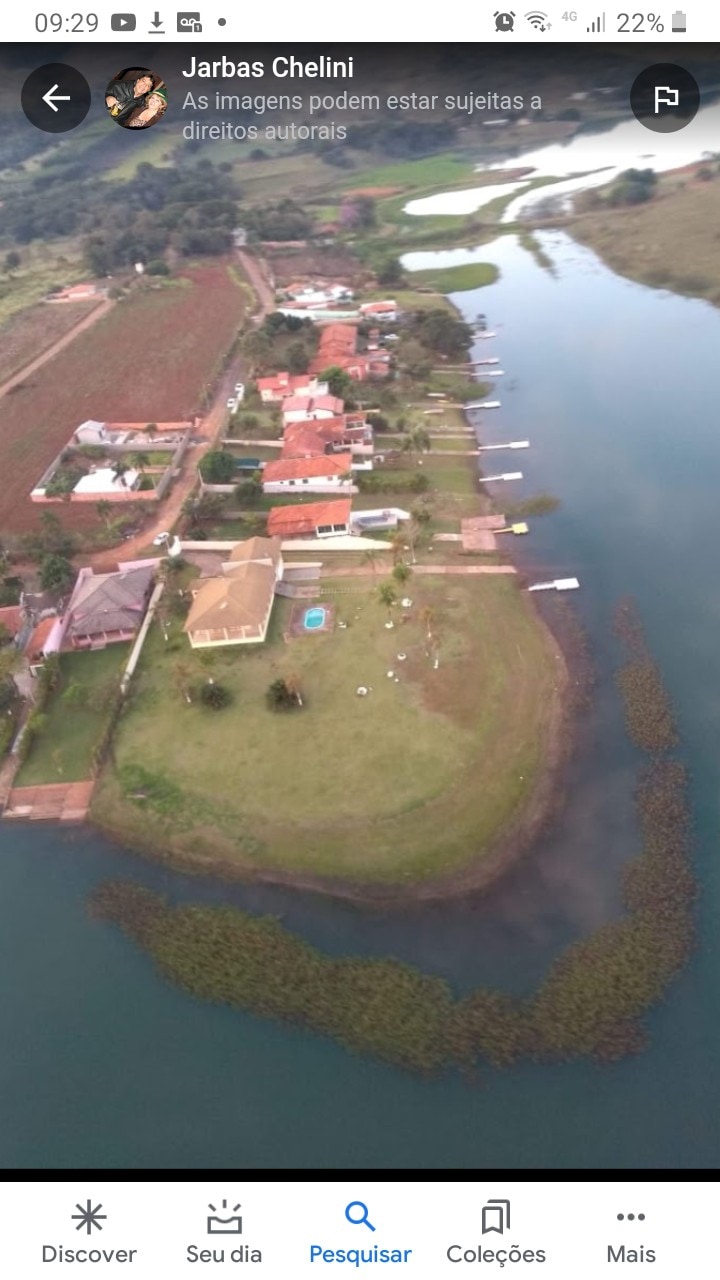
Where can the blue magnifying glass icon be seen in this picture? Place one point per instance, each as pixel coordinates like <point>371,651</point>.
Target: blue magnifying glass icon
<point>357,1213</point>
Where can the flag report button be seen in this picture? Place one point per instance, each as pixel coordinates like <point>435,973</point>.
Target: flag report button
<point>665,97</point>
<point>55,97</point>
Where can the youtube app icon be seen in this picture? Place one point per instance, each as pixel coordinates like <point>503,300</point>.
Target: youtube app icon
<point>122,22</point>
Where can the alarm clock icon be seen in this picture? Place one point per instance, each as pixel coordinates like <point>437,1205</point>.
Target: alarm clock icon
<point>504,21</point>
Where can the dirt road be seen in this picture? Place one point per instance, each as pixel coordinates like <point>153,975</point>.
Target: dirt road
<point>96,314</point>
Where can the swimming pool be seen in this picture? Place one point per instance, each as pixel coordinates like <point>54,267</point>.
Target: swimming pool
<point>314,618</point>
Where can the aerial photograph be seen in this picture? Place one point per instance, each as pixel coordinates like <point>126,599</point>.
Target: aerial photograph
<point>359,720</point>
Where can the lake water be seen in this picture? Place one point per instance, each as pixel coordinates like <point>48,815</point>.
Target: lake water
<point>104,1065</point>
<point>597,157</point>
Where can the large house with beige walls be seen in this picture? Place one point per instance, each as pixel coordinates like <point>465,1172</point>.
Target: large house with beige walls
<point>235,606</point>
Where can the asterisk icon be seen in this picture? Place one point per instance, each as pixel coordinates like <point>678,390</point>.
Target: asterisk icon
<point>89,1217</point>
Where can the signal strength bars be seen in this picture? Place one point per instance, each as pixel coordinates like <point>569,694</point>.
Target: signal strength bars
<point>598,24</point>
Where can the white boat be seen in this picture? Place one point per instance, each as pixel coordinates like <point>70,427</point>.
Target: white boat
<point>493,373</point>
<point>486,333</point>
<point>505,475</point>
<point>490,360</point>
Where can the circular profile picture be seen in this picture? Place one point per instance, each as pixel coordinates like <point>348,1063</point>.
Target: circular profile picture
<point>136,98</point>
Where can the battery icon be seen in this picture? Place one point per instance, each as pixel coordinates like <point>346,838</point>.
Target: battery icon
<point>679,21</point>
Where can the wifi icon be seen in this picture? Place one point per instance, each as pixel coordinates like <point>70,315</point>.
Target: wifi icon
<point>538,20</point>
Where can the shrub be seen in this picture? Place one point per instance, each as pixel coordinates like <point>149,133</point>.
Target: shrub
<point>215,696</point>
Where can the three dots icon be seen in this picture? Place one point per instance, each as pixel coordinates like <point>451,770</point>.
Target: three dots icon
<point>630,1217</point>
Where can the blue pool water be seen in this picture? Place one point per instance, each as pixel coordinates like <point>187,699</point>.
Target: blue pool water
<point>314,618</point>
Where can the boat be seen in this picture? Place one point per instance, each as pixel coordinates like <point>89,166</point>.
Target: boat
<point>483,404</point>
<point>490,360</point>
<point>504,475</point>
<point>486,333</point>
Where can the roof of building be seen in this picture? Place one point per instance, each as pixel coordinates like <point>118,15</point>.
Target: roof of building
<point>11,617</point>
<point>286,522</point>
<point>109,601</point>
<point>378,308</point>
<point>307,468</point>
<point>256,551</point>
<point>37,640</point>
<point>307,439</point>
<point>311,404</point>
<point>238,599</point>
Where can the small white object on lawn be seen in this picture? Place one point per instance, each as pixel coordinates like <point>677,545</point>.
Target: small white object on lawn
<point>391,675</point>
<point>401,657</point>
<point>361,691</point>
<point>389,626</point>
<point>406,603</point>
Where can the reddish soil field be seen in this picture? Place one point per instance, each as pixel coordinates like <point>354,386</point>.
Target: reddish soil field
<point>149,360</point>
<point>31,331</point>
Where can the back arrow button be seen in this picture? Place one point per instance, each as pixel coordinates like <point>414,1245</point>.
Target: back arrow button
<point>62,89</point>
<point>51,97</point>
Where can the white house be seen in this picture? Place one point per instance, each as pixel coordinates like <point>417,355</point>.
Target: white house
<point>311,408</point>
<point>277,387</point>
<point>91,432</point>
<point>326,473</point>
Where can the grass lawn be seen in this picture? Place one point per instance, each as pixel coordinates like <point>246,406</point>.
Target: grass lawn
<point>413,780</point>
<point>670,242</point>
<point>62,753</point>
<point>470,275</point>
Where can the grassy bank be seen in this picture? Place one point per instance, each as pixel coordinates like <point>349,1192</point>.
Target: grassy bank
<point>669,242</point>
<point>415,780</point>
<point>590,1003</point>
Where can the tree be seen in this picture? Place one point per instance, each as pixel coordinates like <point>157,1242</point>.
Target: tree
<point>397,542</point>
<point>9,663</point>
<point>105,512</point>
<point>283,695</point>
<point>414,359</point>
<point>417,441</point>
<point>139,462</point>
<point>249,491</point>
<point>371,557</point>
<point>12,260</point>
<point>217,467</point>
<point>215,696</point>
<point>258,348</point>
<point>422,515</point>
<point>56,572</point>
<point>339,382</point>
<point>390,272</point>
<point>402,572</point>
<point>120,469</point>
<point>428,617</point>
<point>297,357</point>
<point>51,538</point>
<point>387,596</point>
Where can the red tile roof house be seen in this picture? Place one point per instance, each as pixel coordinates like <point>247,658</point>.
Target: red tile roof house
<point>322,474</point>
<point>279,386</point>
<point>311,520</point>
<point>311,408</point>
<point>334,435</point>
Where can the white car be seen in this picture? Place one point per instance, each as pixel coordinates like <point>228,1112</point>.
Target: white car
<point>232,405</point>
<point>240,391</point>
<point>161,539</point>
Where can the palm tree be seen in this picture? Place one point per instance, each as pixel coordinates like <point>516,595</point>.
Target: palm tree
<point>397,542</point>
<point>418,441</point>
<point>402,572</point>
<point>120,469</point>
<point>371,557</point>
<point>104,510</point>
<point>428,617</point>
<point>387,596</point>
<point>139,461</point>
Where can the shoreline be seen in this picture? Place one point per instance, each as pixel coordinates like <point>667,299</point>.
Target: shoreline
<point>481,870</point>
